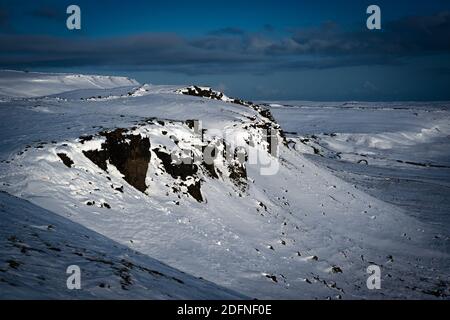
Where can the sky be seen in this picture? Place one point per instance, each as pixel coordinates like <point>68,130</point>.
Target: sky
<point>257,50</point>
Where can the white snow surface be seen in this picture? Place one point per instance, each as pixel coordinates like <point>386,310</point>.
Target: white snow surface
<point>32,84</point>
<point>41,245</point>
<point>399,152</point>
<point>278,238</point>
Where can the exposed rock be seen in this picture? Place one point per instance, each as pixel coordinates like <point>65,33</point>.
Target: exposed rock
<point>181,170</point>
<point>210,169</point>
<point>336,269</point>
<point>194,191</point>
<point>210,153</point>
<point>190,123</point>
<point>98,157</point>
<point>65,159</point>
<point>203,92</point>
<point>238,175</point>
<point>130,154</point>
<point>83,139</point>
<point>272,277</point>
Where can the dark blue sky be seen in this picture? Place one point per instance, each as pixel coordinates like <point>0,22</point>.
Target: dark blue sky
<point>310,50</point>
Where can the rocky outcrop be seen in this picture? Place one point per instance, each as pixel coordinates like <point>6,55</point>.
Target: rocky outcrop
<point>130,154</point>
<point>65,159</point>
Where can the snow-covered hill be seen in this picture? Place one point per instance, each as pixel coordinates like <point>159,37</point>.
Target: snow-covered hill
<point>37,247</point>
<point>31,84</point>
<point>279,227</point>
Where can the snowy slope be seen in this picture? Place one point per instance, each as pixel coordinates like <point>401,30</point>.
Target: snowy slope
<point>399,152</point>
<point>31,84</point>
<point>300,233</point>
<point>37,246</point>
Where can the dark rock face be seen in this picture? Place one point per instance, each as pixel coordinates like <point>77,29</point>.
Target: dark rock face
<point>190,123</point>
<point>238,175</point>
<point>130,154</point>
<point>194,191</point>
<point>65,159</point>
<point>182,170</point>
<point>83,139</point>
<point>210,169</point>
<point>98,157</point>
<point>210,153</point>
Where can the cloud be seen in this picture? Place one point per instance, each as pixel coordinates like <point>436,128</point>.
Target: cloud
<point>227,31</point>
<point>369,86</point>
<point>147,51</point>
<point>45,12</point>
<point>403,37</point>
<point>232,50</point>
<point>268,27</point>
<point>4,18</point>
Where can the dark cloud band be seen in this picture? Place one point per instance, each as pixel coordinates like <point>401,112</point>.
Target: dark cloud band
<point>233,50</point>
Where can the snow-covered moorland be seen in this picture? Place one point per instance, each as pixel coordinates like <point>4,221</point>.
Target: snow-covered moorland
<point>399,152</point>
<point>92,156</point>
